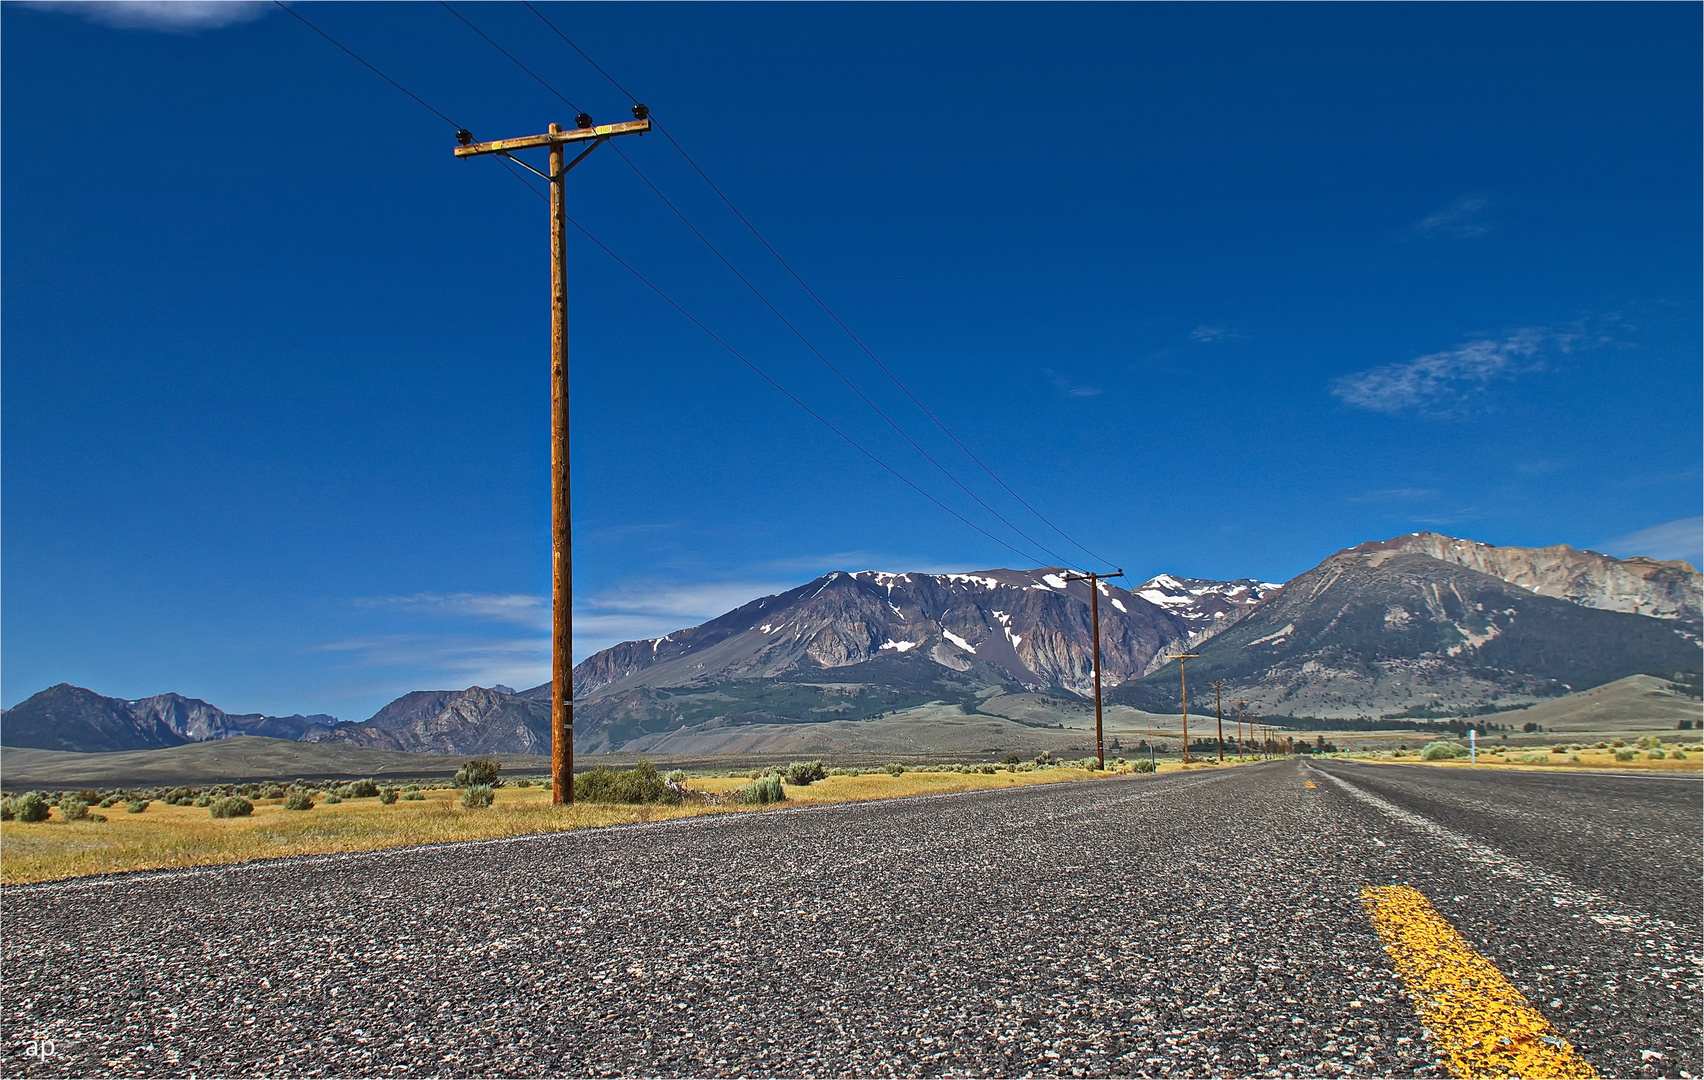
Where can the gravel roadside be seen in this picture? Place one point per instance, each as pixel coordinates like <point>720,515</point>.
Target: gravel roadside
<point>1183,924</point>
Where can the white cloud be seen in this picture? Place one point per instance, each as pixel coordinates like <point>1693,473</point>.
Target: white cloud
<point>1069,388</point>
<point>1393,495</point>
<point>1209,334</point>
<point>1440,382</point>
<point>170,16</point>
<point>452,663</point>
<point>1679,539</point>
<point>521,609</point>
<point>1460,220</point>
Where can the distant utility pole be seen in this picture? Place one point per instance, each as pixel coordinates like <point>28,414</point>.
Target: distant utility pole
<point>562,584</point>
<point>1094,581</point>
<point>1182,660</point>
<point>1219,711</point>
<point>1240,705</point>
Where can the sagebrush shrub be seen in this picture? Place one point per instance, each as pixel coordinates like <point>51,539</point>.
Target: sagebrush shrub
<point>1443,750</point>
<point>1677,754</point>
<point>640,784</point>
<point>1624,755</point>
<point>73,809</point>
<point>803,773</point>
<point>1655,755</point>
<point>413,795</point>
<point>387,795</point>
<point>360,789</point>
<point>333,798</point>
<point>479,772</point>
<point>523,782</point>
<point>1143,766</point>
<point>895,769</point>
<point>678,776</point>
<point>298,800</point>
<point>766,789</point>
<point>231,806</point>
<point>136,806</point>
<point>30,807</point>
<point>477,796</point>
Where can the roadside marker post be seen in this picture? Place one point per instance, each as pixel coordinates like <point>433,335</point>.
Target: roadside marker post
<point>1094,581</point>
<point>1182,663</point>
<point>562,584</point>
<point>1472,746</point>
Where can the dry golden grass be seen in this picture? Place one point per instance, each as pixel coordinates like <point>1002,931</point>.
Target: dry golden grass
<point>168,836</point>
<point>1590,761</point>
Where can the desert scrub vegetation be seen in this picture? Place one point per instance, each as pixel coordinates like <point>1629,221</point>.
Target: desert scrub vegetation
<point>804,773</point>
<point>1443,750</point>
<point>763,790</point>
<point>478,796</point>
<point>640,784</point>
<point>30,807</point>
<point>231,806</point>
<point>387,795</point>
<point>298,800</point>
<point>479,772</point>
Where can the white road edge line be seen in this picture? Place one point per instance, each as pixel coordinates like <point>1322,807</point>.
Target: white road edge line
<point>1601,909</point>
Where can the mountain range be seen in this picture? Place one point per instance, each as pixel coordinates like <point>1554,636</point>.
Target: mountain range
<point>1417,625</point>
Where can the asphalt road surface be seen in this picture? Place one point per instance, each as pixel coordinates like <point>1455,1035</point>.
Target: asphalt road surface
<point>1193,923</point>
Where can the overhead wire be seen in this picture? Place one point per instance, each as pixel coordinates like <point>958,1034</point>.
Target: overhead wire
<point>755,291</point>
<point>509,166</point>
<point>664,132</point>
<point>294,14</point>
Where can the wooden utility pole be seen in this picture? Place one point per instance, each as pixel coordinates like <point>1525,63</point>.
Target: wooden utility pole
<point>561,535</point>
<point>1182,662</point>
<point>1094,581</point>
<point>1219,711</point>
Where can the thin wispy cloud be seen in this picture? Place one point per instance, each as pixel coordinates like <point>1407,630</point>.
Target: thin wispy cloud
<point>1461,220</point>
<point>521,609</point>
<point>1210,334</point>
<point>1441,383</point>
<point>1392,495</point>
<point>168,16</point>
<point>1682,538</point>
<point>451,662</point>
<point>1067,387</point>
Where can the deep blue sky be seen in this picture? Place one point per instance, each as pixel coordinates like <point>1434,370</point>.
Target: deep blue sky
<point>1220,289</point>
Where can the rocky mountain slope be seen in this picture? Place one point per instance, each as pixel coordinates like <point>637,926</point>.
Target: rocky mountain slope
<point>1206,607</point>
<point>1418,622</point>
<point>472,721</point>
<point>1028,627</point>
<point>67,717</point>
<point>1377,630</point>
<point>1639,586</point>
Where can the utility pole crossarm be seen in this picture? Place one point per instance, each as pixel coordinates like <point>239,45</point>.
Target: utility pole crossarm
<point>555,138</point>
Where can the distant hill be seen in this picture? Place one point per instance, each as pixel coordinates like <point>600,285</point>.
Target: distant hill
<point>1378,630</point>
<point>1638,703</point>
<point>67,717</point>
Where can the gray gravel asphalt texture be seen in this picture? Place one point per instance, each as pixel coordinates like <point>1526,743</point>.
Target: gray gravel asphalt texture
<point>1199,923</point>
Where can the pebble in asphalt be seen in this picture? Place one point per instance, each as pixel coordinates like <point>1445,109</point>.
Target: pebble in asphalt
<point>1202,923</point>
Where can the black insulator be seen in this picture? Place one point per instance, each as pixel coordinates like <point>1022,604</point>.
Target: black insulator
<point>583,120</point>
<point>464,136</point>
<point>640,112</point>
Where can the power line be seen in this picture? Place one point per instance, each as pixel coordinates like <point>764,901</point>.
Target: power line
<point>822,303</point>
<point>755,291</point>
<point>665,297</point>
<point>298,17</point>
<point>506,53</point>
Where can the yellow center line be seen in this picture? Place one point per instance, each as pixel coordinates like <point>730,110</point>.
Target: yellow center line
<point>1480,1024</point>
<point>1308,783</point>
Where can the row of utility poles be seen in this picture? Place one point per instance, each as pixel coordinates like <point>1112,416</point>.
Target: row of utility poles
<point>561,536</point>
